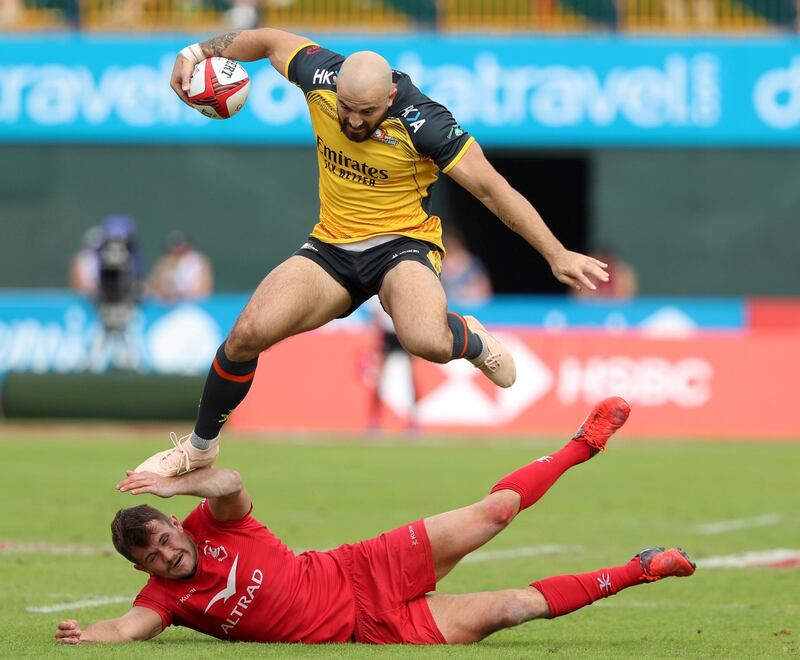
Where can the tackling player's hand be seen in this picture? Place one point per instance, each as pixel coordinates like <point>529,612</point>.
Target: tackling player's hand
<point>139,483</point>
<point>577,270</point>
<point>68,632</point>
<point>181,75</point>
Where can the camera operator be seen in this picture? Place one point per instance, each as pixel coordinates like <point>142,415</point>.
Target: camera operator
<point>119,289</point>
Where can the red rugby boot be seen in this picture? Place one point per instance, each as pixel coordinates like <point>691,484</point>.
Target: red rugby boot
<point>606,418</point>
<point>659,563</point>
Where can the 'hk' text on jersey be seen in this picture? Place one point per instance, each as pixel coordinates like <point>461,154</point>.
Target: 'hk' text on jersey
<point>249,586</point>
<point>382,185</point>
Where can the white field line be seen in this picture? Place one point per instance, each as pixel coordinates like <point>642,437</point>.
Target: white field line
<point>79,604</point>
<point>45,548</point>
<point>733,524</point>
<point>514,553</point>
<point>751,559</point>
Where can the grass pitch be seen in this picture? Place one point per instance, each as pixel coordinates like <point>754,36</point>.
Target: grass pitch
<point>58,500</point>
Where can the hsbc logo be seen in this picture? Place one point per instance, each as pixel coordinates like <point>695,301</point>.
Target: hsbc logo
<point>646,381</point>
<point>461,400</point>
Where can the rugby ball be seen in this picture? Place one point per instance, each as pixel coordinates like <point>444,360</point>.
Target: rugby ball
<point>218,87</point>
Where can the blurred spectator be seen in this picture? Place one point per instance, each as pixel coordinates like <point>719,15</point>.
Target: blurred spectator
<point>182,273</point>
<point>622,281</point>
<point>424,13</point>
<point>242,15</point>
<point>10,11</point>
<point>690,14</point>
<point>386,347</point>
<point>464,276</point>
<point>84,268</point>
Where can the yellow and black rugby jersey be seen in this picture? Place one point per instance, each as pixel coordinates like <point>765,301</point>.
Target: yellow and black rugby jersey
<point>382,185</point>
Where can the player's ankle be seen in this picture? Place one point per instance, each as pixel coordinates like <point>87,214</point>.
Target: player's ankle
<point>202,444</point>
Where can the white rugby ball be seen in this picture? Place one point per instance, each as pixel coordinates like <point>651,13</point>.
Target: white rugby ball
<point>219,87</point>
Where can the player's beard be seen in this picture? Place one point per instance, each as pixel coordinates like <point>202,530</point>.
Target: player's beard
<point>363,134</point>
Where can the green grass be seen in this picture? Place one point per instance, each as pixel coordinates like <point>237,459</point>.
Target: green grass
<point>58,488</point>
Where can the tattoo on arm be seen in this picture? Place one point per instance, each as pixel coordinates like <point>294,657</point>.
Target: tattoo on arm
<point>215,46</point>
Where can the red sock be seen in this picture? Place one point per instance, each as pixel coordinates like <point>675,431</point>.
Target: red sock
<point>567,593</point>
<point>534,480</point>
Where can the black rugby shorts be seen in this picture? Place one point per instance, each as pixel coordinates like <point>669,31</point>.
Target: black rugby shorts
<point>362,273</point>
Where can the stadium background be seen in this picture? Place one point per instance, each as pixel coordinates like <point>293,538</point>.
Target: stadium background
<point>668,131</point>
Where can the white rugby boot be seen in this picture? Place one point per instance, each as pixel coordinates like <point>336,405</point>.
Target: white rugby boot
<point>182,458</point>
<point>495,360</point>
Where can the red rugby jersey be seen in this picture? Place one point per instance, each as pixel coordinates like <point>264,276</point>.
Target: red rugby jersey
<point>250,586</point>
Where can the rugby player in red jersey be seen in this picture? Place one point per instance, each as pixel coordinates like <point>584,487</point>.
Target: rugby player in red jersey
<point>223,573</point>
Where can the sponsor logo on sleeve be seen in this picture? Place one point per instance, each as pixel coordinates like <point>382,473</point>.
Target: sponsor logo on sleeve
<point>413,116</point>
<point>455,131</point>
<point>324,77</point>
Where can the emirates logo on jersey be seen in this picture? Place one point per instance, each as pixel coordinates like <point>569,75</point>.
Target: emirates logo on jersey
<point>219,553</point>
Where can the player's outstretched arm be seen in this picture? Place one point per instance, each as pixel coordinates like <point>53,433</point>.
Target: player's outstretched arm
<point>136,625</point>
<point>227,497</point>
<point>476,174</point>
<point>240,45</point>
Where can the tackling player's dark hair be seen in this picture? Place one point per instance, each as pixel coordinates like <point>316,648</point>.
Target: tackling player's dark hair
<point>131,528</point>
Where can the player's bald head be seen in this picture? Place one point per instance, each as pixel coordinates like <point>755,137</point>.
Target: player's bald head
<point>364,76</point>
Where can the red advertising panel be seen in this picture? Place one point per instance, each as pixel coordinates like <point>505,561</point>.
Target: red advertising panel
<point>774,314</point>
<point>704,386</point>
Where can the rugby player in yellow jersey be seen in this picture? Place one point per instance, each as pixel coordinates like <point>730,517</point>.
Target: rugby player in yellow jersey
<point>380,145</point>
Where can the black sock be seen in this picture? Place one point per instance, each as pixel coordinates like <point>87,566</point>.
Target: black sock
<point>466,344</point>
<point>226,386</point>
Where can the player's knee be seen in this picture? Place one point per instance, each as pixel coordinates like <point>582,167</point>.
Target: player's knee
<point>498,511</point>
<point>245,341</point>
<point>433,349</point>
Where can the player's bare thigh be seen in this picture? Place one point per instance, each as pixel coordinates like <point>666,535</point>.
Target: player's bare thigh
<point>298,295</point>
<point>454,534</point>
<point>414,298</point>
<point>468,618</point>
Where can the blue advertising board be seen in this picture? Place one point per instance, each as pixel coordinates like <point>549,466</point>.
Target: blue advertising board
<point>61,332</point>
<point>510,91</point>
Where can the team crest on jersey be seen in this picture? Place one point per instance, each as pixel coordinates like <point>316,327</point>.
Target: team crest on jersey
<point>219,553</point>
<point>380,135</point>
